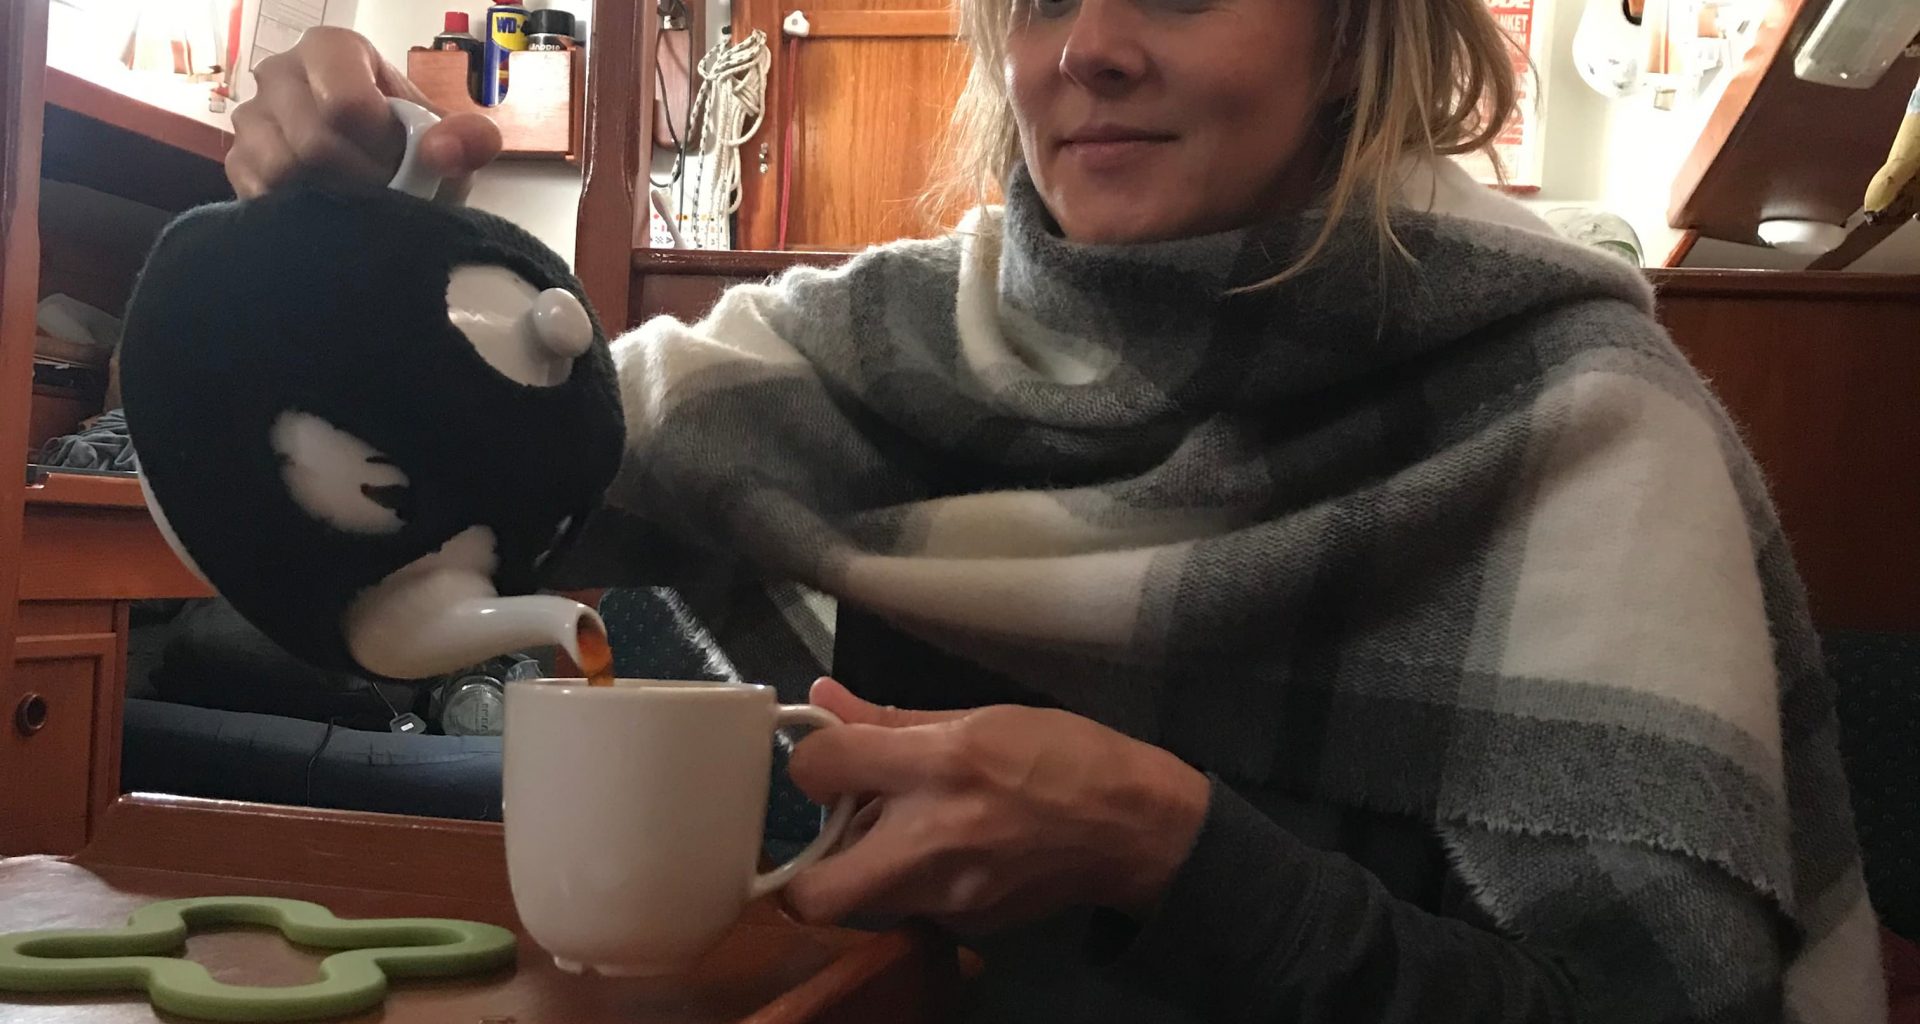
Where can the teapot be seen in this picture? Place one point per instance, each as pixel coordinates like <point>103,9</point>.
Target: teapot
<point>370,420</point>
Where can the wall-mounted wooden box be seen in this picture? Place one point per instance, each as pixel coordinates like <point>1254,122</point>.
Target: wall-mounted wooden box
<point>540,116</point>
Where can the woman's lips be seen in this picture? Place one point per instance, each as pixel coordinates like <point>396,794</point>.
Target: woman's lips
<point>1111,152</point>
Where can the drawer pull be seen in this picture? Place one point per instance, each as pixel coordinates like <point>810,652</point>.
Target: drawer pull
<point>30,716</point>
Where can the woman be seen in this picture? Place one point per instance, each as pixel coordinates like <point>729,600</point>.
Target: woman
<point>1325,595</point>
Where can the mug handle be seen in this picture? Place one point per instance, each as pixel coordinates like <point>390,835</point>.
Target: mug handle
<point>412,178</point>
<point>836,823</point>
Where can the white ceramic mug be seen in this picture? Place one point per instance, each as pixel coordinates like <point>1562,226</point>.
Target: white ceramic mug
<point>633,816</point>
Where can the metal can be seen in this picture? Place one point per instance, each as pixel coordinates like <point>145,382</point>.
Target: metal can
<point>549,29</point>
<point>506,33</point>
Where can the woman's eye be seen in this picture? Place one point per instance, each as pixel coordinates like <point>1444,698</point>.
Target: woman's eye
<point>1052,8</point>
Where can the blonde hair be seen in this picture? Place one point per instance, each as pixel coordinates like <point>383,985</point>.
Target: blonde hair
<point>1430,77</point>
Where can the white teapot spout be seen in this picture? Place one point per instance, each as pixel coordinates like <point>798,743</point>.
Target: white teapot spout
<point>439,615</point>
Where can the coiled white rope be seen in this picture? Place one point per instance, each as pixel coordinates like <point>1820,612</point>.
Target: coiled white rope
<point>729,109</point>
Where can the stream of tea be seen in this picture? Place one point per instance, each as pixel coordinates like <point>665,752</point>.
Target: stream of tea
<point>596,656</point>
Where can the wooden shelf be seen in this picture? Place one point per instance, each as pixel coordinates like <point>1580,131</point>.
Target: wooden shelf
<point>1776,146</point>
<point>86,490</point>
<point>540,116</point>
<point>111,102</point>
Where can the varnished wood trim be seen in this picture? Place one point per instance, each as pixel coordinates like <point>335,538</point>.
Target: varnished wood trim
<point>749,264</point>
<point>429,856</point>
<point>740,263</point>
<point>1723,125</point>
<point>72,92</point>
<point>940,24</point>
<point>1682,247</point>
<point>757,222</point>
<point>86,490</point>
<point>23,59</point>
<point>55,648</point>
<point>109,720</point>
<point>1791,284</point>
<point>619,102</point>
<point>851,988</point>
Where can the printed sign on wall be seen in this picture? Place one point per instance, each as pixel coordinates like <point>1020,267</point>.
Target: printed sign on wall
<point>1522,147</point>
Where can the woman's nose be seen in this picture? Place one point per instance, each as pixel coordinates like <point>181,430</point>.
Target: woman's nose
<point>1104,51</point>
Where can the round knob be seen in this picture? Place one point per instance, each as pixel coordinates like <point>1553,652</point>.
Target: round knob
<point>30,715</point>
<point>561,323</point>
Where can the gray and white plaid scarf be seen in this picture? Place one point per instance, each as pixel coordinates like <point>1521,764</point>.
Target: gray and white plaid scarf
<point>1468,541</point>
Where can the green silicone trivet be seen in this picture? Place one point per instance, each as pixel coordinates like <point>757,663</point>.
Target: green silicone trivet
<point>134,957</point>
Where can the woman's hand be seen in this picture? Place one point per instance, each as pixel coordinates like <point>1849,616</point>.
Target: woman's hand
<point>992,817</point>
<point>321,112</point>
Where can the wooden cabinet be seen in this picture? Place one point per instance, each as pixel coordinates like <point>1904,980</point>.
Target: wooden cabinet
<point>74,550</point>
<point>1779,147</point>
<point>65,657</point>
<point>856,111</point>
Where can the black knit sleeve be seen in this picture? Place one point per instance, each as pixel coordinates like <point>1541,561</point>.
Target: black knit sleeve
<point>1257,926</point>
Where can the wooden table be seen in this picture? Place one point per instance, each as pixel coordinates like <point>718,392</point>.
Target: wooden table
<point>766,971</point>
<point>89,549</point>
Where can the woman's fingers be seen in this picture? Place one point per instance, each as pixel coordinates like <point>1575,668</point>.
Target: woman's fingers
<point>861,759</point>
<point>858,878</point>
<point>831,694</point>
<point>321,112</point>
<point>314,146</point>
<point>341,70</point>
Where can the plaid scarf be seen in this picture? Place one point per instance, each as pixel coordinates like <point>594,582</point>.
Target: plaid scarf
<point>1464,538</point>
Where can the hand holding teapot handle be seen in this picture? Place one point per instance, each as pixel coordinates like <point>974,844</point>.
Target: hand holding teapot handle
<point>321,113</point>
<point>415,176</point>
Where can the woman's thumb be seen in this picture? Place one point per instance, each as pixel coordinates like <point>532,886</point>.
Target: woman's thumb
<point>460,145</point>
<point>828,693</point>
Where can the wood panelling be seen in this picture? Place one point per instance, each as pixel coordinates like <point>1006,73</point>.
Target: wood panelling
<point>857,108</point>
<point>685,283</point>
<point>1776,146</point>
<point>619,86</point>
<point>49,787</point>
<point>939,24</point>
<point>23,61</point>
<point>65,618</point>
<point>1820,371</point>
<point>76,552</point>
<point>853,184</point>
<point>540,116</point>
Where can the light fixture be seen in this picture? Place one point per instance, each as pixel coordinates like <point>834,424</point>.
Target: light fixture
<point>1802,237</point>
<point>1856,42</point>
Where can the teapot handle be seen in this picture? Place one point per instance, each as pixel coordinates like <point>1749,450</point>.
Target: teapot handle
<point>413,178</point>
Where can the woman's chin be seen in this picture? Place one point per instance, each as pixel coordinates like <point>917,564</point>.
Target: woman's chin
<point>1118,229</point>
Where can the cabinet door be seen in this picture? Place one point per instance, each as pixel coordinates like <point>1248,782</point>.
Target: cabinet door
<point>23,63</point>
<point>46,741</point>
<point>870,91</point>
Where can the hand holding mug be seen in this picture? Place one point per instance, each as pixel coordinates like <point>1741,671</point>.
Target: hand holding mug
<point>633,816</point>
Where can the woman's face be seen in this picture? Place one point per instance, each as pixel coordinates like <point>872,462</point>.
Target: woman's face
<point>1144,120</point>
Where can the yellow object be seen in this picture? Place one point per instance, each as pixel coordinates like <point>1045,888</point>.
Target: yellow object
<point>1902,168</point>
